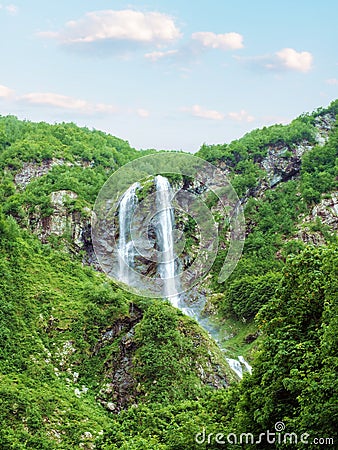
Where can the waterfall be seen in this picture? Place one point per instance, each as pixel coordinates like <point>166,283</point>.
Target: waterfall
<point>246,364</point>
<point>235,366</point>
<point>167,263</point>
<point>165,240</point>
<point>127,206</point>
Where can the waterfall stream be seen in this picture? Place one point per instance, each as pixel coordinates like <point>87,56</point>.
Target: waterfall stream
<point>127,206</point>
<point>167,262</point>
<point>165,240</point>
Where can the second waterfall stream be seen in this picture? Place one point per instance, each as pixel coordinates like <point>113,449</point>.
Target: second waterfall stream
<point>167,261</point>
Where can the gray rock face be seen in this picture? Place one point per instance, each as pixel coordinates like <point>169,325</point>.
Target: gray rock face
<point>324,125</point>
<point>31,170</point>
<point>60,221</point>
<point>326,214</point>
<point>120,388</point>
<point>283,162</point>
<point>327,211</point>
<point>72,226</point>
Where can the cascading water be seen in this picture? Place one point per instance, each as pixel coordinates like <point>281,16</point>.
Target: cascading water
<point>245,364</point>
<point>237,366</point>
<point>165,240</point>
<point>126,252</point>
<point>167,268</point>
<point>167,264</point>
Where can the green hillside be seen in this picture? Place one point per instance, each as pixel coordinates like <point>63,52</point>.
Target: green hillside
<point>85,364</point>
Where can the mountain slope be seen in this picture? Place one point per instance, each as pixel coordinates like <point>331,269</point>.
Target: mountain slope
<point>85,364</point>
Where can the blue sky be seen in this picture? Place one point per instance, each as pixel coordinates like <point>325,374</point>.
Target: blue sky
<point>167,74</point>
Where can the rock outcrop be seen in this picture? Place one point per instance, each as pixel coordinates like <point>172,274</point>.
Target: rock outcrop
<point>120,387</point>
<point>121,384</point>
<point>321,223</point>
<point>67,224</point>
<point>31,170</point>
<point>283,162</point>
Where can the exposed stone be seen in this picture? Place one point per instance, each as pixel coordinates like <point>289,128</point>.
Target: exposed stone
<point>87,435</point>
<point>31,170</point>
<point>65,222</point>
<point>78,392</point>
<point>324,124</point>
<point>120,388</point>
<point>249,338</point>
<point>326,212</point>
<point>283,162</point>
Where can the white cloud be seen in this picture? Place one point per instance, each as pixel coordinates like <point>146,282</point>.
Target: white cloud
<point>199,111</point>
<point>11,9</point>
<point>144,113</point>
<point>66,102</point>
<point>293,60</point>
<point>155,56</point>
<point>241,116</point>
<point>285,59</point>
<point>226,41</point>
<point>6,92</point>
<point>332,81</point>
<point>123,25</point>
<point>57,100</point>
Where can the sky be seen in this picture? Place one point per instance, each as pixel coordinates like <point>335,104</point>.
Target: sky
<point>168,74</point>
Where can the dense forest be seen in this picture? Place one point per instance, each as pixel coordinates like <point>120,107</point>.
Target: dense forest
<point>85,364</point>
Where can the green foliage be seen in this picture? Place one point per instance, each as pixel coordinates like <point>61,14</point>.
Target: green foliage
<point>54,312</point>
<point>270,220</point>
<point>167,344</point>
<point>254,145</point>
<point>245,296</point>
<point>277,211</point>
<point>51,314</point>
<point>28,141</point>
<point>247,176</point>
<point>319,169</point>
<point>171,427</point>
<point>294,378</point>
<point>68,158</point>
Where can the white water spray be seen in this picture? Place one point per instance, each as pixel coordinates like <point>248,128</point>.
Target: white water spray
<point>126,250</point>
<point>167,264</point>
<point>165,240</point>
